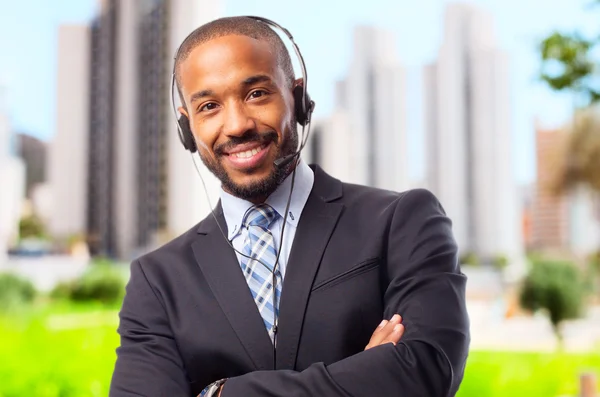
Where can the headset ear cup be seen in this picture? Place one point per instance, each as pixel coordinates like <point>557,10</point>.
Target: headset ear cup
<point>302,115</point>
<point>185,134</point>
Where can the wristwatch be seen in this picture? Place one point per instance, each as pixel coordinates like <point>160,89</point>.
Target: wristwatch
<point>212,389</point>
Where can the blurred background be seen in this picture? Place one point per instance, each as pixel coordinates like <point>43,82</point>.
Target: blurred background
<point>492,105</point>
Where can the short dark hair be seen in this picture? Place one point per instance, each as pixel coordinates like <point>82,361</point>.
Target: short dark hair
<point>243,26</point>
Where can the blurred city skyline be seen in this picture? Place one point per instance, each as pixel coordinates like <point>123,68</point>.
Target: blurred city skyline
<point>28,65</point>
<point>441,95</point>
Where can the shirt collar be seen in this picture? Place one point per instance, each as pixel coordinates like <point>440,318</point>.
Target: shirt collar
<point>234,208</point>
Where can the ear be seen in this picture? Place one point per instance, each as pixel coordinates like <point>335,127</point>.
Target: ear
<point>183,111</point>
<point>298,83</point>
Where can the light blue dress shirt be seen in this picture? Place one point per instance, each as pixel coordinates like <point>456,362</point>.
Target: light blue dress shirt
<point>234,209</point>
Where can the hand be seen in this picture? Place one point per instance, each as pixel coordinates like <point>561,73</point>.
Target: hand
<point>387,332</point>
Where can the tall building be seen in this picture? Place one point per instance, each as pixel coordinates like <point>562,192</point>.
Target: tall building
<point>372,97</point>
<point>565,222</point>
<point>129,139</point>
<point>329,147</point>
<point>550,211</point>
<point>584,222</point>
<point>68,149</point>
<point>142,187</point>
<point>102,131</point>
<point>12,175</point>
<point>33,151</point>
<point>188,202</point>
<point>6,147</point>
<point>468,135</point>
<point>151,137</point>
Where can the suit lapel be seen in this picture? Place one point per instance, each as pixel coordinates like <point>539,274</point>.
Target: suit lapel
<point>316,225</point>
<point>221,268</point>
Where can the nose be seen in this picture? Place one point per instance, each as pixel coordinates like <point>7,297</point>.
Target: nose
<point>237,120</point>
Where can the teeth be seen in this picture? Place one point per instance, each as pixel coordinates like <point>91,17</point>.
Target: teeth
<point>248,153</point>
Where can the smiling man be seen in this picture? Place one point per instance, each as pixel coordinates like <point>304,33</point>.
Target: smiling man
<point>298,284</point>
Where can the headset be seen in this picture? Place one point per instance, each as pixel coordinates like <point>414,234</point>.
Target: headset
<point>303,104</point>
<point>303,108</point>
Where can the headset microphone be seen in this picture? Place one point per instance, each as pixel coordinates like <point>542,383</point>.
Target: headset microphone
<point>284,161</point>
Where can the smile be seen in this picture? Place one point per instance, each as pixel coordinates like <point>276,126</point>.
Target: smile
<point>247,158</point>
<point>248,153</point>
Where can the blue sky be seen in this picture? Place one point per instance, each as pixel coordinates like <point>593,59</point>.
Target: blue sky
<point>28,54</point>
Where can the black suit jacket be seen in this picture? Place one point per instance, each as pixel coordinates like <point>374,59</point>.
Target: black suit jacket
<point>360,255</point>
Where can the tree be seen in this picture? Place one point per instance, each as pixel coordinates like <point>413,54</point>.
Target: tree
<point>581,162</point>
<point>570,63</point>
<point>31,227</point>
<point>556,288</point>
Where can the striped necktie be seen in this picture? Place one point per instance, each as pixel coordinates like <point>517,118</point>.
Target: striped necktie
<point>260,246</point>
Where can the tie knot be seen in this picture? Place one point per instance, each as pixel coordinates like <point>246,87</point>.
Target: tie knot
<point>260,215</point>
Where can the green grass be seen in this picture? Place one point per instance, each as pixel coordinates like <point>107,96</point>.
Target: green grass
<point>64,351</point>
<point>67,350</point>
<point>501,374</point>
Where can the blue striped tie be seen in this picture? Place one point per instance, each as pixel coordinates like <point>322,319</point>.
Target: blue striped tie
<point>259,245</point>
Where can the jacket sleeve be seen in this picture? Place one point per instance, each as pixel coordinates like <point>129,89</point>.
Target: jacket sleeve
<point>148,360</point>
<point>427,288</point>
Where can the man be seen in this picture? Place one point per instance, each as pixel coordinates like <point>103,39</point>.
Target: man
<point>201,317</point>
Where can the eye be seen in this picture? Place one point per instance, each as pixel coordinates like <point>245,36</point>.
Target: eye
<point>257,94</point>
<point>208,106</point>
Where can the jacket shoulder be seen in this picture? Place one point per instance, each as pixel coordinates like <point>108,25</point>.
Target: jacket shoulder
<point>362,194</point>
<point>169,252</point>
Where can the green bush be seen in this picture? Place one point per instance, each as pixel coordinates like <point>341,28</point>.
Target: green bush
<point>103,282</point>
<point>15,291</point>
<point>62,290</point>
<point>470,259</point>
<point>500,261</point>
<point>555,287</point>
<point>32,227</point>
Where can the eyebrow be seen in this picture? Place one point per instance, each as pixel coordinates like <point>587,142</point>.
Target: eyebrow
<point>200,94</point>
<point>259,78</point>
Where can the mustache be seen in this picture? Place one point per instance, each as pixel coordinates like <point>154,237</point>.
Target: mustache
<point>248,137</point>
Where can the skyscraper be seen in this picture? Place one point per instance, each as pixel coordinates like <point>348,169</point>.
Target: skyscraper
<point>372,97</point>
<point>550,211</point>
<point>12,175</point>
<point>329,146</point>
<point>33,152</point>
<point>68,150</point>
<point>151,136</point>
<point>101,139</point>
<point>561,221</point>
<point>468,145</point>
<point>187,200</point>
<point>143,188</point>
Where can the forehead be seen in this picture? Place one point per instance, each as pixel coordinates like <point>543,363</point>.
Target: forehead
<point>227,60</point>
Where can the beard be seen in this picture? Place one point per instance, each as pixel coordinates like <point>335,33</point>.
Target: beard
<point>261,188</point>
